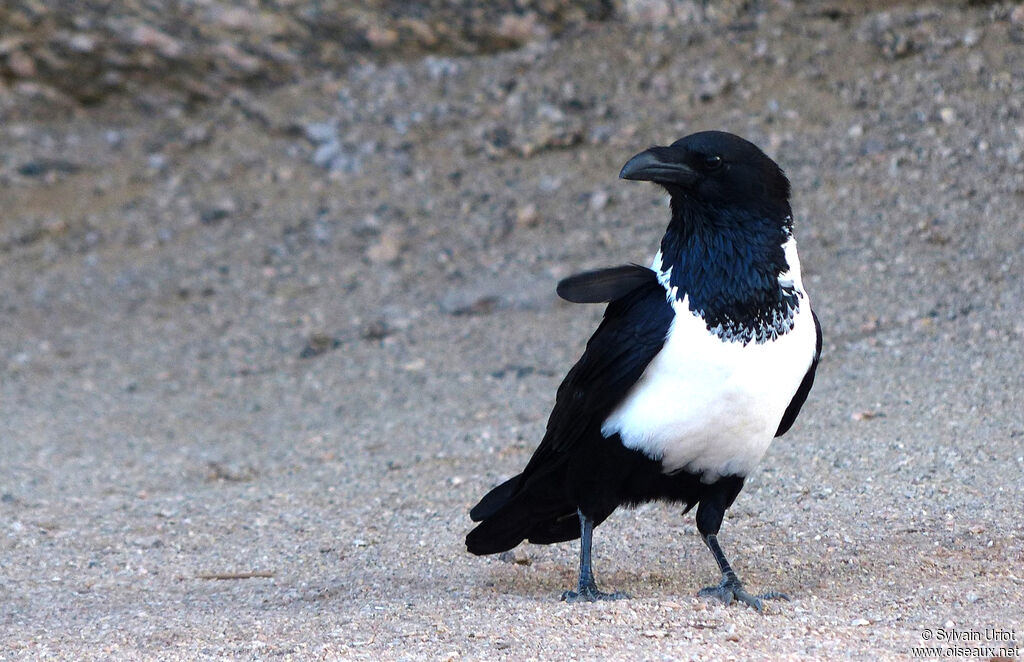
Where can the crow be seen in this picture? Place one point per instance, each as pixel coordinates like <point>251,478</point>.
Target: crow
<point>698,363</point>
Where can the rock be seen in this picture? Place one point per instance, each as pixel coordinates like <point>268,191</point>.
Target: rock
<point>217,211</point>
<point>422,33</point>
<point>237,59</point>
<point>148,542</point>
<point>42,167</point>
<point>527,216</point>
<point>661,12</point>
<point>378,329</point>
<point>149,37</point>
<point>386,249</point>
<point>469,303</point>
<point>711,84</point>
<point>244,19</point>
<point>82,43</point>
<point>317,344</point>
<point>517,556</point>
<point>93,52</point>
<point>517,29</point>
<point>381,37</point>
<point>21,64</point>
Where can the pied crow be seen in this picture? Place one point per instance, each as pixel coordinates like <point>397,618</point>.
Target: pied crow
<point>699,362</point>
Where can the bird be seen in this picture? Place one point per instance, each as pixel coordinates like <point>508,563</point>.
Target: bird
<point>698,363</point>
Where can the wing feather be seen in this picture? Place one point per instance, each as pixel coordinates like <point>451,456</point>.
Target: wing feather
<point>631,334</point>
<point>603,285</point>
<point>789,417</point>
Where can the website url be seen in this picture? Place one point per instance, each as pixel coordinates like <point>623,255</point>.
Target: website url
<point>964,651</point>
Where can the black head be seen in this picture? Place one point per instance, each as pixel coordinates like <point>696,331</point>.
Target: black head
<point>717,170</point>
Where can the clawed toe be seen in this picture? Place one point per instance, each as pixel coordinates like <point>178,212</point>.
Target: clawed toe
<point>591,594</point>
<point>732,590</point>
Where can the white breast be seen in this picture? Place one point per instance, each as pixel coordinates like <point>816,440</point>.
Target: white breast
<point>710,406</point>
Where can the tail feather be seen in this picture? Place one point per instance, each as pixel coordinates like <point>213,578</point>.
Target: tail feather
<point>558,529</point>
<point>536,509</point>
<point>501,532</point>
<point>495,499</point>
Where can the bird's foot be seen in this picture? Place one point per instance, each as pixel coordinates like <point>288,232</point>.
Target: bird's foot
<point>731,589</point>
<point>589,593</point>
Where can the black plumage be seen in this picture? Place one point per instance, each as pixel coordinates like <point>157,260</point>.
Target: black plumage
<point>604,285</point>
<point>719,316</point>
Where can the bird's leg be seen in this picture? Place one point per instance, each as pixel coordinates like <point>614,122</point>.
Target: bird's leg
<point>710,513</point>
<point>587,588</point>
<point>731,588</point>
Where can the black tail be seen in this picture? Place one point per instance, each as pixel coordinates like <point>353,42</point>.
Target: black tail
<point>534,509</point>
<point>495,499</point>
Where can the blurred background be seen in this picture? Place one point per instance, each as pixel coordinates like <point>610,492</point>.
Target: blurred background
<point>277,301</point>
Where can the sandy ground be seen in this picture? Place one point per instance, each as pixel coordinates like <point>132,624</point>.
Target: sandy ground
<point>259,357</point>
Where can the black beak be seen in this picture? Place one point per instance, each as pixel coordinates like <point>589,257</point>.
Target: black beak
<point>653,166</point>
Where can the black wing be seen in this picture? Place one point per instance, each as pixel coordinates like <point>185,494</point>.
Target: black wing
<point>603,285</point>
<point>805,386</point>
<point>631,334</point>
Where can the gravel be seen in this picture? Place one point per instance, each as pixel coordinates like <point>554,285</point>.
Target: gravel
<point>266,343</point>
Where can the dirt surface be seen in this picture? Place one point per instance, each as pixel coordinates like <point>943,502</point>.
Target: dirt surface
<point>260,353</point>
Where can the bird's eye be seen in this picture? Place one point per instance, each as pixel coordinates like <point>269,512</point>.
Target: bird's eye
<point>713,162</point>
